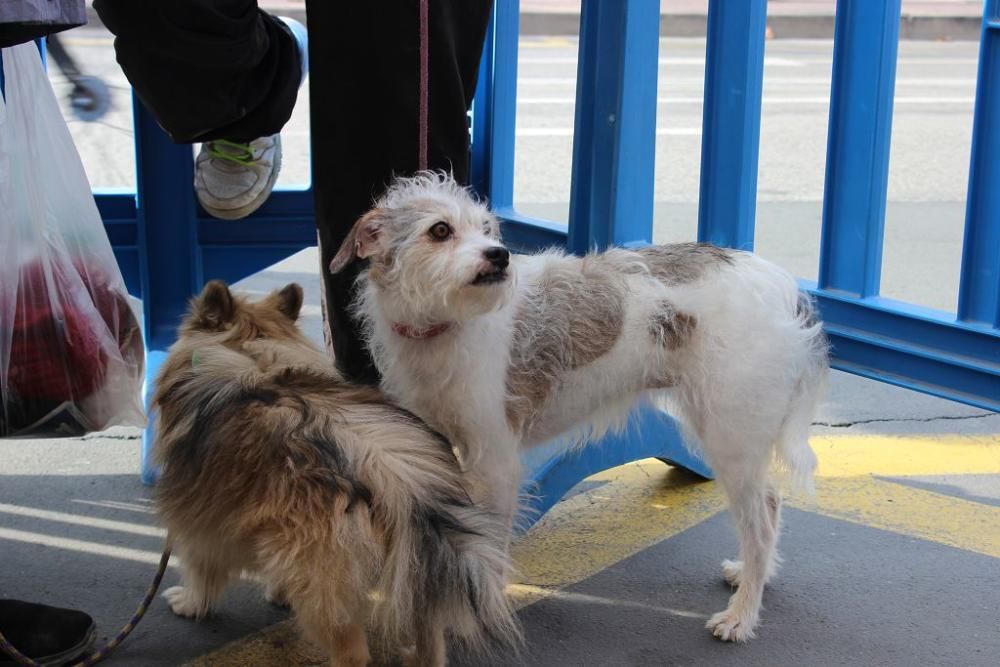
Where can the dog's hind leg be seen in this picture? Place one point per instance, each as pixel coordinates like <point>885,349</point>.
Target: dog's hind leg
<point>202,582</point>
<point>349,646</point>
<point>750,503</point>
<point>330,610</point>
<point>740,459</point>
<point>344,642</point>
<point>732,570</point>
<point>431,649</point>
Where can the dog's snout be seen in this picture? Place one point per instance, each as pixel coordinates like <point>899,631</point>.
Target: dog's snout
<point>497,256</point>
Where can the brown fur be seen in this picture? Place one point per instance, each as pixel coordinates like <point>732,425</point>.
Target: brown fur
<point>671,328</point>
<point>677,263</point>
<point>327,492</point>
<point>672,264</point>
<point>567,322</point>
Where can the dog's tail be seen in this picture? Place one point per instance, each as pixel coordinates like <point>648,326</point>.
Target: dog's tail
<point>464,578</point>
<point>794,452</point>
<point>446,563</point>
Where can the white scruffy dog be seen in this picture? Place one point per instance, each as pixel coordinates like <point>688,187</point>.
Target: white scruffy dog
<point>504,351</point>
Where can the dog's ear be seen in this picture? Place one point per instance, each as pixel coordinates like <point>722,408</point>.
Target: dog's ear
<point>361,242</point>
<point>214,306</point>
<point>288,300</point>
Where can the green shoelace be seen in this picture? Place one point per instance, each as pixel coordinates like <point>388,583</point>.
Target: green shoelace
<point>231,151</point>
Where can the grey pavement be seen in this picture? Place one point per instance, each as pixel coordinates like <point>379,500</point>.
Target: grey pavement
<point>846,595</point>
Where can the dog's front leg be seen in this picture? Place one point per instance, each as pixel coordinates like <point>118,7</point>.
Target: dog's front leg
<point>203,581</point>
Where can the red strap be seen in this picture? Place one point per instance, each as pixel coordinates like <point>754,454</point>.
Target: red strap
<point>424,76</point>
<point>406,331</point>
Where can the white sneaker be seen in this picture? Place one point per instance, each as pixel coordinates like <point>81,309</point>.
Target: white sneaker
<point>232,180</point>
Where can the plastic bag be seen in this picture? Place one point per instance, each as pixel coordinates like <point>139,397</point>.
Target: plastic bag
<point>71,351</point>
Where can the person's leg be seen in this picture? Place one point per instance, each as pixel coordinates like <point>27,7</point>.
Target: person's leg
<point>216,71</point>
<point>206,69</point>
<point>364,100</point>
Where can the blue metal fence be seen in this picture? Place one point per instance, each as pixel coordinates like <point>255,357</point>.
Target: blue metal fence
<point>168,247</point>
<point>899,343</point>
<point>956,357</point>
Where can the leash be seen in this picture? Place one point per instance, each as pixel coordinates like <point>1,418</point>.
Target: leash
<point>424,81</point>
<point>104,651</point>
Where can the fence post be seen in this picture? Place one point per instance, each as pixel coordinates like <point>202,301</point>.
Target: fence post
<point>614,145</point>
<point>734,72</point>
<point>495,108</point>
<point>979,290</point>
<point>169,261</point>
<point>857,162</point>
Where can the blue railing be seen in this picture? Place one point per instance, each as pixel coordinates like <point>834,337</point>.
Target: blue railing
<point>956,357</point>
<point>168,247</point>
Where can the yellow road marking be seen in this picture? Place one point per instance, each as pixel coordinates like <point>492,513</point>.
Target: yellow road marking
<point>898,456</point>
<point>903,509</point>
<point>643,503</point>
<point>278,644</point>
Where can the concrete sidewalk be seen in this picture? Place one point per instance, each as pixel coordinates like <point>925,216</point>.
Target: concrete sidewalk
<point>921,19</point>
<point>804,19</point>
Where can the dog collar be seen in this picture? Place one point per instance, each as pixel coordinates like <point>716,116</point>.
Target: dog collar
<point>406,331</point>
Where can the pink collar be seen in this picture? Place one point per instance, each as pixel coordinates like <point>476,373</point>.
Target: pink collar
<point>406,331</point>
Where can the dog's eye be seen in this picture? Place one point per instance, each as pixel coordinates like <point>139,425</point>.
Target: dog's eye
<point>440,231</point>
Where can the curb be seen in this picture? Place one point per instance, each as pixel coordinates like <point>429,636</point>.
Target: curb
<point>820,26</point>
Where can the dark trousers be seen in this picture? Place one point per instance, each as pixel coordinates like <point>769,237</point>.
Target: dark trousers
<point>210,69</point>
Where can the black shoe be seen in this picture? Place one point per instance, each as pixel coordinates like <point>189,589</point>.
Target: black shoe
<point>48,635</point>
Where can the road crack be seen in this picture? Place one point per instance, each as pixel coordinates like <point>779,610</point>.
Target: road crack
<point>913,420</point>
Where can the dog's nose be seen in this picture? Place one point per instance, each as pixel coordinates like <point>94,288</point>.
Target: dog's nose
<point>497,256</point>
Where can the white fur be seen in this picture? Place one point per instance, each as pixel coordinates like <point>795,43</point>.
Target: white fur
<point>745,382</point>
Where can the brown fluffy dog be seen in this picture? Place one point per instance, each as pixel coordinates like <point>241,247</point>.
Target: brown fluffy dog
<point>348,506</point>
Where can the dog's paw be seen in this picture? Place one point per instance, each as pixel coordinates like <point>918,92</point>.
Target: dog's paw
<point>182,603</point>
<point>732,626</point>
<point>276,596</point>
<point>408,656</point>
<point>732,572</point>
